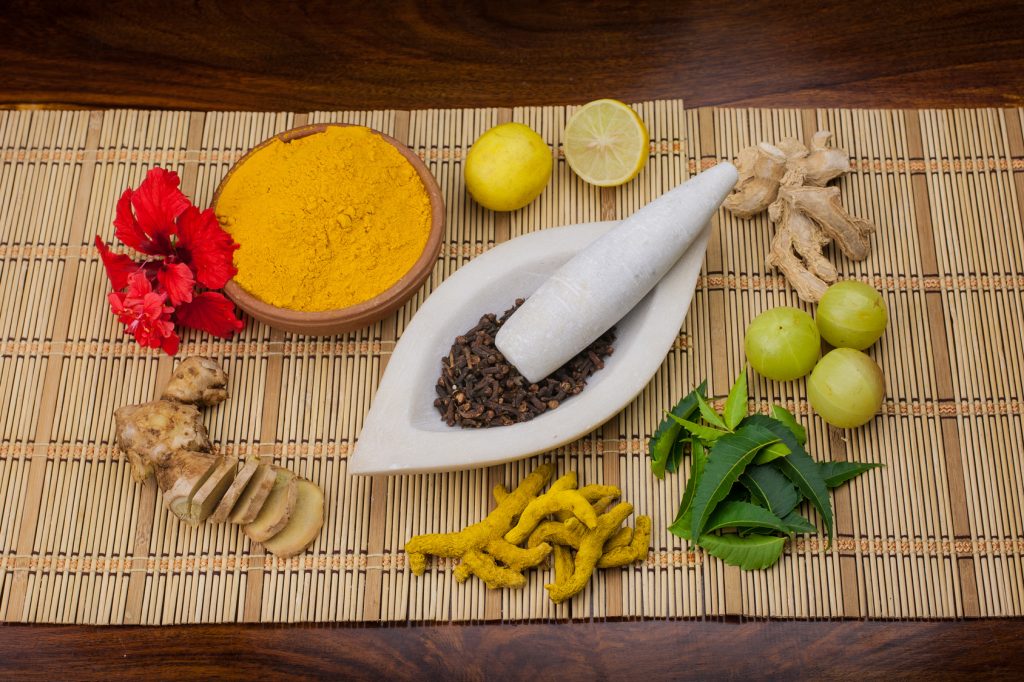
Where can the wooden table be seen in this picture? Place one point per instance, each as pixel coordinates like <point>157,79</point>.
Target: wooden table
<point>263,55</point>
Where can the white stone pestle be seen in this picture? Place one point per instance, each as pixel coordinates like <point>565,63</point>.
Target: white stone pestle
<point>602,283</point>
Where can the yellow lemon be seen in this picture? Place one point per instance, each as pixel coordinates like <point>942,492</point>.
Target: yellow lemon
<point>606,143</point>
<point>508,167</point>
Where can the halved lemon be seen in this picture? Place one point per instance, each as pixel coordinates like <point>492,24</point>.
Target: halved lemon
<point>606,143</point>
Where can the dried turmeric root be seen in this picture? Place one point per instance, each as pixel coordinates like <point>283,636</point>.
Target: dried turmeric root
<point>166,439</point>
<point>589,553</point>
<point>491,548</point>
<point>475,538</point>
<point>789,180</point>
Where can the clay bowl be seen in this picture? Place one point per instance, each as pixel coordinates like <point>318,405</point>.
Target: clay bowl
<point>329,322</point>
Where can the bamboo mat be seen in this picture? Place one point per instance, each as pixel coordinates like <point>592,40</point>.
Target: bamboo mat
<point>937,533</point>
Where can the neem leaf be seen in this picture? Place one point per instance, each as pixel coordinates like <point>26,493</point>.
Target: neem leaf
<point>771,489</point>
<point>798,524</point>
<point>667,435</point>
<point>698,459</point>
<point>703,432</point>
<point>736,404</point>
<point>749,553</point>
<point>744,515</point>
<point>838,473</point>
<point>773,451</point>
<point>675,456</point>
<point>783,415</point>
<point>799,468</point>
<point>709,414</point>
<point>729,456</point>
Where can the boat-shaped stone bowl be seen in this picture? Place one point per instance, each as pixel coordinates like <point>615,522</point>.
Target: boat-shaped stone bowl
<point>403,432</point>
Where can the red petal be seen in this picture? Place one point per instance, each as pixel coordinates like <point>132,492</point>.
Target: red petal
<point>204,244</point>
<point>209,312</point>
<point>170,344</point>
<point>176,279</point>
<point>126,228</point>
<point>157,203</point>
<point>138,285</point>
<point>118,266</point>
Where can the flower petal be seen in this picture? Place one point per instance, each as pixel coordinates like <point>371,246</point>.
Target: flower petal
<point>211,312</point>
<point>118,266</point>
<point>176,279</point>
<point>157,204</point>
<point>126,227</point>
<point>138,286</point>
<point>170,344</point>
<point>204,244</point>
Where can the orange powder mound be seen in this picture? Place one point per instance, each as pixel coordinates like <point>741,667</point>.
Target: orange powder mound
<point>325,221</point>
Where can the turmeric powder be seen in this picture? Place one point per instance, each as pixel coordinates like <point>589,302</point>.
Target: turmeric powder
<point>325,221</point>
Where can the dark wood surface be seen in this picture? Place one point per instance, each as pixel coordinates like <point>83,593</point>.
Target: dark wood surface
<point>274,55</point>
<point>635,651</point>
<point>338,55</point>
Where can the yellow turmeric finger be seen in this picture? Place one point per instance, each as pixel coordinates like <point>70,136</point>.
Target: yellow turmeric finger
<point>417,562</point>
<point>517,558</point>
<point>635,551</point>
<point>494,576</point>
<point>556,533</point>
<point>591,548</point>
<point>595,492</point>
<point>547,504</point>
<point>494,525</point>
<point>500,492</point>
<point>622,538</point>
<point>569,481</point>
<point>601,505</point>
<point>563,563</point>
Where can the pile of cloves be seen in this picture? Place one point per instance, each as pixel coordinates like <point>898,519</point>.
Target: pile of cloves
<point>479,388</point>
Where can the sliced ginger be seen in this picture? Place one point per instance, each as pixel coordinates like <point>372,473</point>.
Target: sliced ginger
<point>234,492</point>
<point>254,495</point>
<point>166,438</point>
<point>789,180</point>
<point>210,493</point>
<point>181,473</point>
<point>304,523</point>
<point>491,548</point>
<point>277,510</point>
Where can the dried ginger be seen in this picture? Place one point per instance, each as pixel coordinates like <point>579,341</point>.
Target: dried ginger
<point>490,549</point>
<point>789,181</point>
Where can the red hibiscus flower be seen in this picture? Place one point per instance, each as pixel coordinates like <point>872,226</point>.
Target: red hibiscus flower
<point>184,248</point>
<point>144,315</point>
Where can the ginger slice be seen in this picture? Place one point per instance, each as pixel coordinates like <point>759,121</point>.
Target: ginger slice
<point>254,495</point>
<point>180,475</point>
<point>199,381</point>
<point>304,524</point>
<point>278,508</point>
<point>234,491</point>
<point>205,500</point>
<point>148,433</point>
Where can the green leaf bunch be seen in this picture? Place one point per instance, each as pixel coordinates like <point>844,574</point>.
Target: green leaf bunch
<point>748,475</point>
